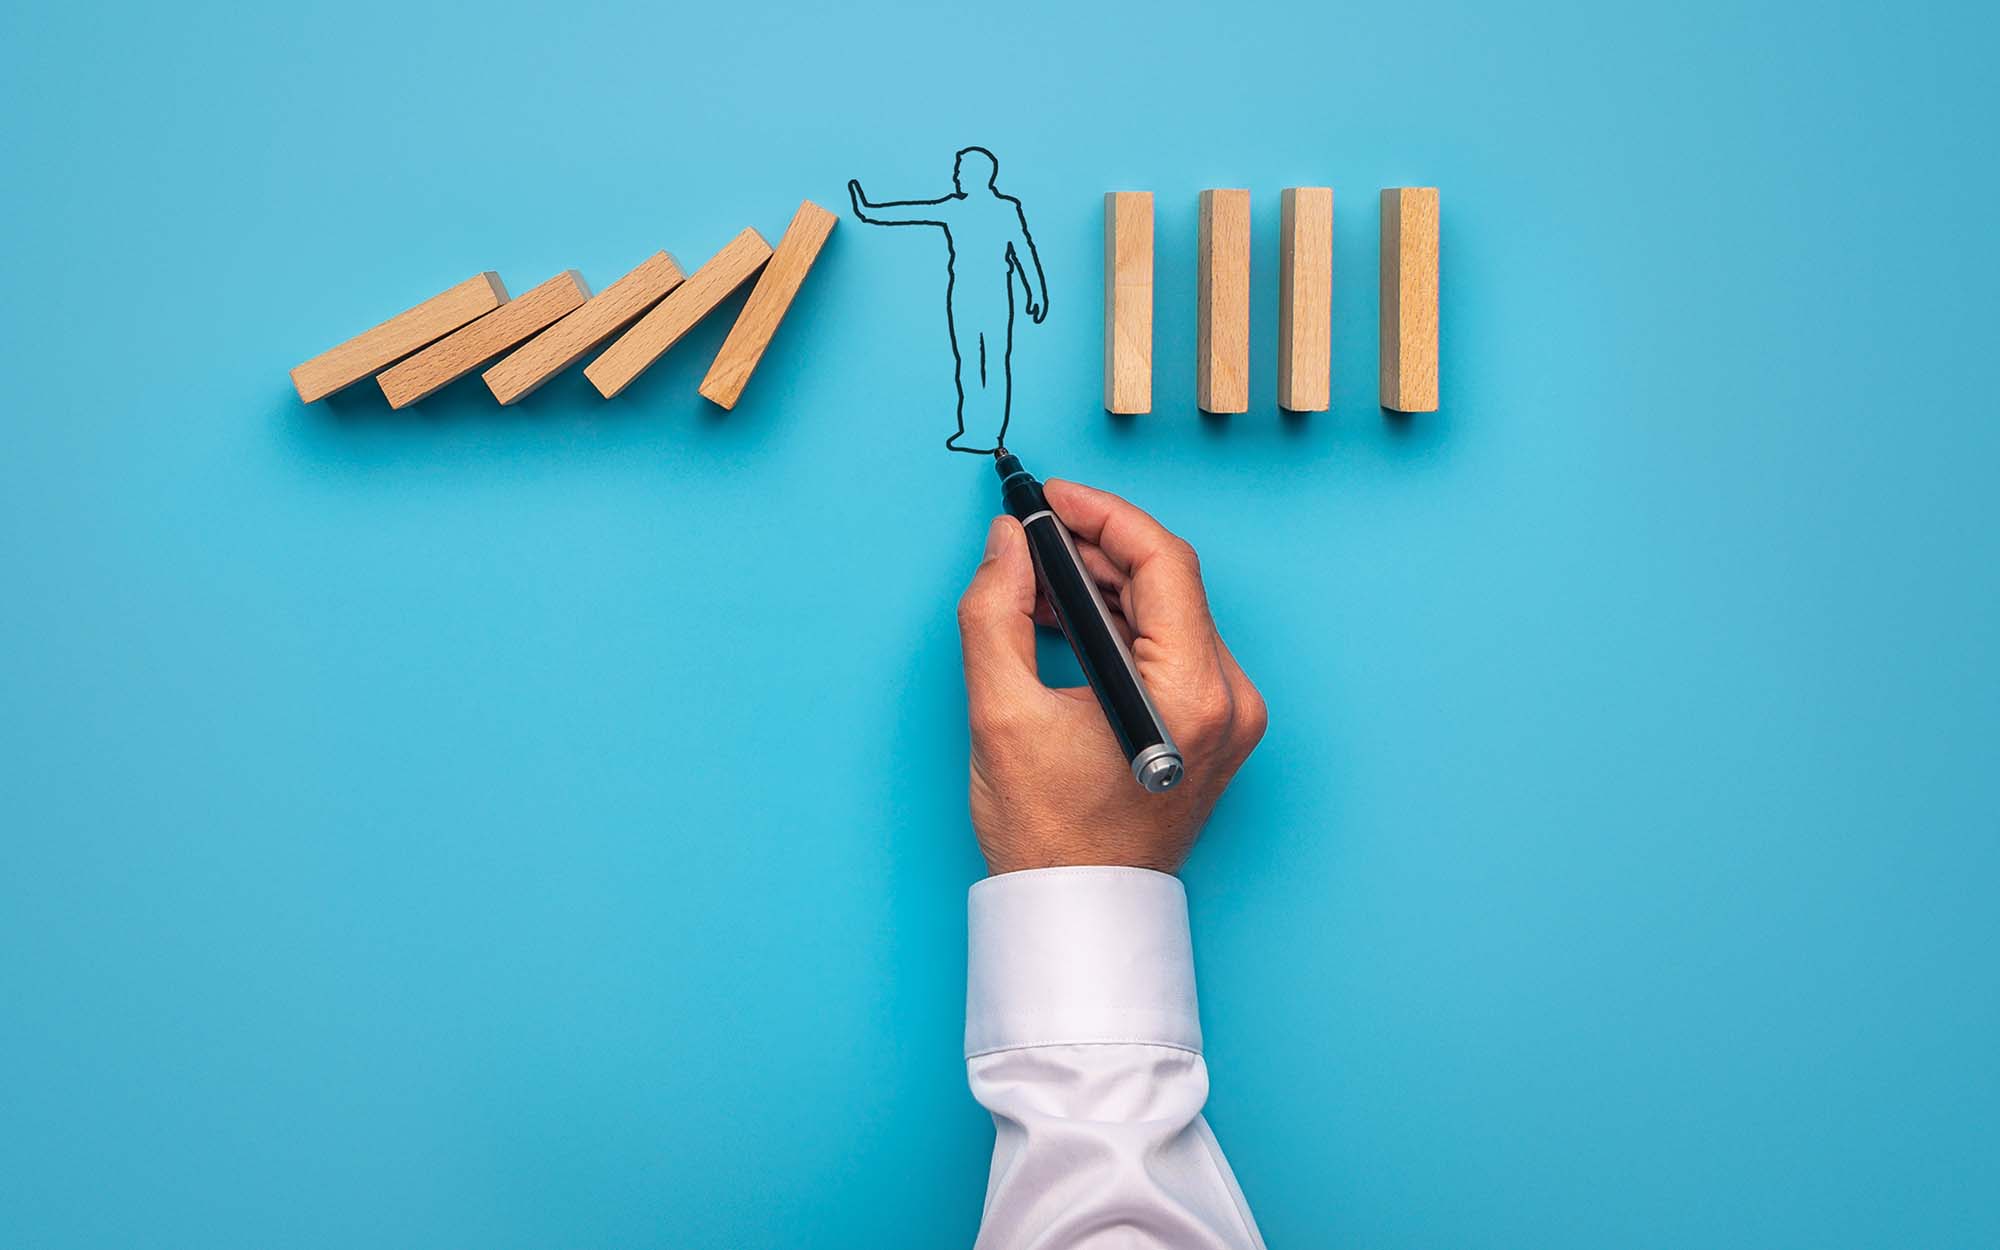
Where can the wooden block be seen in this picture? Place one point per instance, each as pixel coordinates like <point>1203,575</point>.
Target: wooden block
<point>651,336</point>
<point>467,348</point>
<point>1409,347</point>
<point>1305,299</point>
<point>765,308</point>
<point>601,316</point>
<point>1222,370</point>
<point>365,353</point>
<point>1128,301</point>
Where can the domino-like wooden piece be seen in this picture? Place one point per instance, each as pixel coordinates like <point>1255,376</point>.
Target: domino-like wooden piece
<point>1305,299</point>
<point>1222,370</point>
<point>601,316</point>
<point>1128,301</point>
<point>1409,344</point>
<point>366,353</point>
<point>651,336</point>
<point>765,308</point>
<point>467,348</point>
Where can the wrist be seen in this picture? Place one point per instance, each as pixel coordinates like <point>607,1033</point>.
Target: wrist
<point>1101,850</point>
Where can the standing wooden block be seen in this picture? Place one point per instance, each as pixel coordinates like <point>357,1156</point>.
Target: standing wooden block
<point>765,308</point>
<point>564,343</point>
<point>1409,348</point>
<point>1222,371</point>
<point>1305,299</point>
<point>465,349</point>
<point>365,353</point>
<point>651,336</point>
<point>1128,301</point>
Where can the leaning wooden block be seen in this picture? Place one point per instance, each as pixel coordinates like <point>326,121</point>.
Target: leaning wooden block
<point>651,336</point>
<point>1222,370</point>
<point>1305,299</point>
<point>1409,346</point>
<point>465,349</point>
<point>365,353</point>
<point>1128,301</point>
<point>767,304</point>
<point>601,316</point>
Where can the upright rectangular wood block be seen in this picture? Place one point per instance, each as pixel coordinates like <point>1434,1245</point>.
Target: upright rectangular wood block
<point>1305,299</point>
<point>366,353</point>
<point>1222,371</point>
<point>1128,301</point>
<point>1409,346</point>
<point>651,336</point>
<point>600,317</point>
<point>467,348</point>
<point>765,308</point>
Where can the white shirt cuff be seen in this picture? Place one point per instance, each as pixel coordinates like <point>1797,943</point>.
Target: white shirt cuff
<point>1068,956</point>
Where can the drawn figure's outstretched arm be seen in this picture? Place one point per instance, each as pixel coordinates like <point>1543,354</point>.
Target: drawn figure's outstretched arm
<point>895,212</point>
<point>1037,286</point>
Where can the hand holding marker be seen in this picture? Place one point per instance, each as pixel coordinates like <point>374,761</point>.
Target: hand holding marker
<point>1086,622</point>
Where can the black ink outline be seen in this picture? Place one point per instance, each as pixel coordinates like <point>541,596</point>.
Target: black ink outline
<point>1037,311</point>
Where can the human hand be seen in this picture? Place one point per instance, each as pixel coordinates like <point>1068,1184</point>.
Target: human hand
<point>854,194</point>
<point>1037,311</point>
<point>1049,783</point>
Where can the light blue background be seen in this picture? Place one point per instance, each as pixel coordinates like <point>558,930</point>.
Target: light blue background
<point>545,826</point>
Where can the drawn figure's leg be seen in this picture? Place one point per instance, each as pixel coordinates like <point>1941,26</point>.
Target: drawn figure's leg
<point>964,357</point>
<point>982,373</point>
<point>1006,372</point>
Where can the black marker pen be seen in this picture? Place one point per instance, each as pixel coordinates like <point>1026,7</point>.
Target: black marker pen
<point>1086,622</point>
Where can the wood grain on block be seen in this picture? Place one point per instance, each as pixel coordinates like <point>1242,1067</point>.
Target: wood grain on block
<point>601,316</point>
<point>1128,301</point>
<point>651,336</point>
<point>1222,370</point>
<point>366,353</point>
<point>1305,299</point>
<point>467,348</point>
<point>1409,346</point>
<point>765,308</point>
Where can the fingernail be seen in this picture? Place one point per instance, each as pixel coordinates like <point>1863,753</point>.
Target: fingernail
<point>993,533</point>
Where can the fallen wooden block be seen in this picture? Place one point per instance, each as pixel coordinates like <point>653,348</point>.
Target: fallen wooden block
<point>601,316</point>
<point>651,336</point>
<point>1222,370</point>
<point>1409,331</point>
<point>1305,299</point>
<point>768,301</point>
<point>467,348</point>
<point>1128,301</point>
<point>367,352</point>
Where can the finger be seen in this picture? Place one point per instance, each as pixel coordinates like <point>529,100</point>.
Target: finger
<point>1109,577</point>
<point>996,619</point>
<point>1163,596</point>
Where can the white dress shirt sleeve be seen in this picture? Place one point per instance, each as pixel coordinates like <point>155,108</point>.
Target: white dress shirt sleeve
<point>1082,1039</point>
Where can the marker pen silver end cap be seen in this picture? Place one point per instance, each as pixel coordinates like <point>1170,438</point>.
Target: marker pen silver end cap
<point>1158,772</point>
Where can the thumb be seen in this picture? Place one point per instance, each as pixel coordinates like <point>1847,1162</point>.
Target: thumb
<point>996,620</point>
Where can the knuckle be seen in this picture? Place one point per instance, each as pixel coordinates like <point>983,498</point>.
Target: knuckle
<point>994,720</point>
<point>1253,715</point>
<point>971,608</point>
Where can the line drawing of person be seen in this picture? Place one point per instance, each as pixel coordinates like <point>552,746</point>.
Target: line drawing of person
<point>989,229</point>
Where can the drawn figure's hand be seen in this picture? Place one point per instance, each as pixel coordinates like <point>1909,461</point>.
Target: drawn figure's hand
<point>854,193</point>
<point>1037,311</point>
<point>1049,783</point>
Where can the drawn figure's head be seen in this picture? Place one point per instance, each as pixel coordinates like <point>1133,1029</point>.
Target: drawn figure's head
<point>976,167</point>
